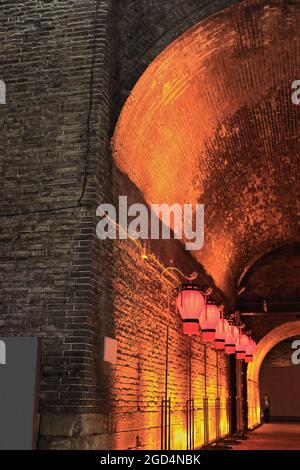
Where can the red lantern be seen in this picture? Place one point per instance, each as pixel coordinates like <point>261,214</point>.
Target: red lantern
<point>190,303</point>
<point>221,330</point>
<point>241,346</point>
<point>250,350</point>
<point>209,319</point>
<point>231,337</point>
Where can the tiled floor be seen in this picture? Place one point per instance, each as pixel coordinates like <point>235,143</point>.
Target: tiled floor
<point>273,436</point>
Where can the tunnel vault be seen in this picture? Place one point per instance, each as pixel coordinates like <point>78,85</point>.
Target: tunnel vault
<point>211,121</point>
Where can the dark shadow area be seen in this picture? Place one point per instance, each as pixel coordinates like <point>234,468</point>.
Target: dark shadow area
<point>280,380</point>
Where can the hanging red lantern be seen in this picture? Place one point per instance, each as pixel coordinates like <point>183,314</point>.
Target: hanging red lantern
<point>209,320</point>
<point>190,303</point>
<point>241,346</point>
<point>231,337</point>
<point>221,330</point>
<point>250,350</point>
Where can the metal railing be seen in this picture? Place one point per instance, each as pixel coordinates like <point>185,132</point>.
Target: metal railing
<point>190,424</point>
<point>218,418</point>
<point>166,424</point>
<point>205,421</point>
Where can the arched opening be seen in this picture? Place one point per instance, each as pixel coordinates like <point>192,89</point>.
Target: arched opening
<point>266,344</point>
<point>279,368</point>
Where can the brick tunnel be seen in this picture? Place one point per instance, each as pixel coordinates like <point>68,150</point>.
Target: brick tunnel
<point>166,103</point>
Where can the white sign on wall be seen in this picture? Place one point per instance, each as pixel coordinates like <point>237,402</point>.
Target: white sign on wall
<point>2,92</point>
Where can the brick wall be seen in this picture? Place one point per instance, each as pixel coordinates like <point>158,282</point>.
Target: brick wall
<point>136,384</point>
<point>142,316</point>
<point>55,153</point>
<point>57,280</point>
<point>144,28</point>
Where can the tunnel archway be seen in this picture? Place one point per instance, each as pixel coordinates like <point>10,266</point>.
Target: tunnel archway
<point>275,336</point>
<point>211,121</point>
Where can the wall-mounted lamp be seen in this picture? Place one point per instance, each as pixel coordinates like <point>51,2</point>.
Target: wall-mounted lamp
<point>209,321</point>
<point>250,350</point>
<point>231,337</point>
<point>191,304</point>
<point>241,345</point>
<point>221,330</point>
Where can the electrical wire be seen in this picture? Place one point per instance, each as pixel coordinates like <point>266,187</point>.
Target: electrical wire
<point>91,102</point>
<point>88,140</point>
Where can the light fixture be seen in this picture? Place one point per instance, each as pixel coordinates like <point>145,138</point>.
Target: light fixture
<point>250,350</point>
<point>221,330</point>
<point>209,320</point>
<point>190,303</point>
<point>231,337</point>
<point>241,346</point>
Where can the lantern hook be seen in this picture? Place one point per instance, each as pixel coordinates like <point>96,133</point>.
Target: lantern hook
<point>191,277</point>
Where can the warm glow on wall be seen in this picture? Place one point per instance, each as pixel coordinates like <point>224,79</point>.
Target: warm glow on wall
<point>139,374</point>
<point>184,135</point>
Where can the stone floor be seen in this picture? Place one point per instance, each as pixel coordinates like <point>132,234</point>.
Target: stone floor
<point>273,436</point>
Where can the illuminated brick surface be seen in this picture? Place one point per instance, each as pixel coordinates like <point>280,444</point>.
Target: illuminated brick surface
<point>211,121</point>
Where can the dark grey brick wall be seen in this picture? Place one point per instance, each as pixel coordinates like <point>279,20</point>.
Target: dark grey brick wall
<point>144,28</point>
<point>53,128</point>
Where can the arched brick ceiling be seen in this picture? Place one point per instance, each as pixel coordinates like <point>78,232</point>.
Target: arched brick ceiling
<point>276,278</point>
<point>144,28</point>
<point>211,121</point>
